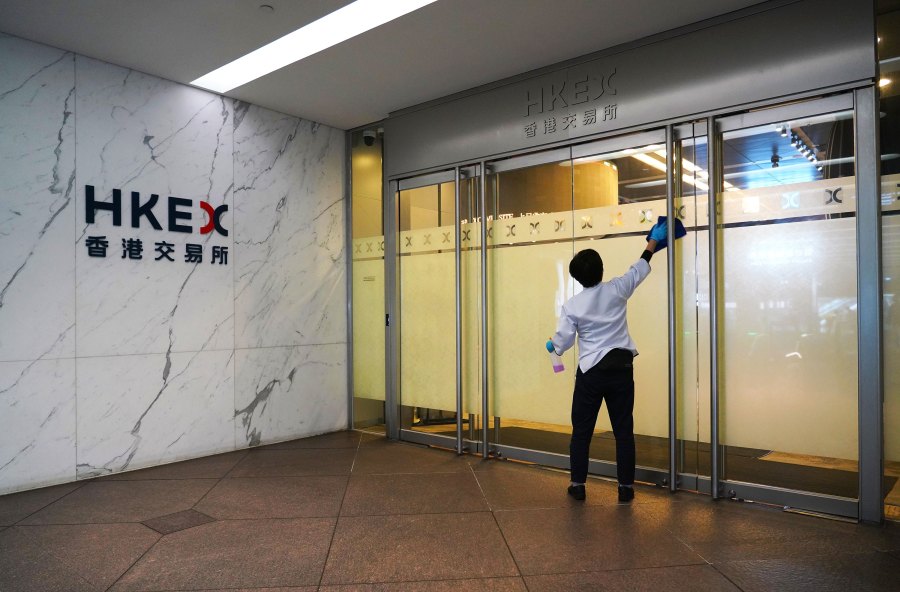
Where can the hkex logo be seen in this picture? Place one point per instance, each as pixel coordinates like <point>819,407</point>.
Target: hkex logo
<point>178,211</point>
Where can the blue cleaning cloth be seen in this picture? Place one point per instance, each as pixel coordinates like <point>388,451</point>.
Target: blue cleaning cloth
<point>679,232</point>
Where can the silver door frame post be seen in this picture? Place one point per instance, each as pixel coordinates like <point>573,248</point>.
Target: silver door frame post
<point>391,303</point>
<point>670,265</point>
<point>870,301</point>
<point>458,256</point>
<point>484,329</point>
<point>715,178</point>
<point>348,269</point>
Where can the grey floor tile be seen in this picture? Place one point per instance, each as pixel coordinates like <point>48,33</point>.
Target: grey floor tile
<point>291,589</point>
<point>510,486</point>
<point>386,457</point>
<point>368,549</point>
<point>25,567</point>
<point>369,495</point>
<point>689,578</point>
<point>99,553</point>
<point>178,521</point>
<point>293,463</point>
<point>737,550</point>
<point>594,538</point>
<point>16,506</point>
<point>209,467</point>
<point>885,537</point>
<point>724,523</point>
<point>235,554</point>
<point>275,497</point>
<point>123,501</point>
<point>480,585</point>
<point>332,440</point>
<point>868,572</point>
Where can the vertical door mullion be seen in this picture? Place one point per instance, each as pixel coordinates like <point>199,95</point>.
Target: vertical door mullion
<point>869,297</point>
<point>458,255</point>
<point>484,329</point>
<point>670,264</point>
<point>712,145</point>
<point>392,316</point>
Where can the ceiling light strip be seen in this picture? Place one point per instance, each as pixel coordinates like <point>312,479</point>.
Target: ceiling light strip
<point>336,27</point>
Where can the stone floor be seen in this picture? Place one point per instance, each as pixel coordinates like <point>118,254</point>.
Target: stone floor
<point>351,512</point>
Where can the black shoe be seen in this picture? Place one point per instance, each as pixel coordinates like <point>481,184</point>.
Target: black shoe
<point>577,491</point>
<point>626,494</point>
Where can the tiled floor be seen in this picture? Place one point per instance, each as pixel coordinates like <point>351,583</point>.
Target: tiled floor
<point>350,512</point>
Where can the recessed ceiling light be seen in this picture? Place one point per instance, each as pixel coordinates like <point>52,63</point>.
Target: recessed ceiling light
<point>266,8</point>
<point>342,24</point>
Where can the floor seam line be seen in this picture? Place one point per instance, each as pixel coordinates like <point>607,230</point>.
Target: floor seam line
<point>59,499</point>
<point>337,519</point>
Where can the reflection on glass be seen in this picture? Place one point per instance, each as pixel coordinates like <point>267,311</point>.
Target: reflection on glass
<point>368,283</point>
<point>788,354</point>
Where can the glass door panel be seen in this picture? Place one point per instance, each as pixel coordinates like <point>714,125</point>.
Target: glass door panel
<point>889,105</point>
<point>692,306</point>
<point>427,304</point>
<point>618,197</point>
<point>530,232</point>
<point>787,304</point>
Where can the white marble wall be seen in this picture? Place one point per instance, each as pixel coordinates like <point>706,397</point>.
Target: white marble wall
<point>153,361</point>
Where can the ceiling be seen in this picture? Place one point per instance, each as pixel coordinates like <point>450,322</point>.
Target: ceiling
<point>446,47</point>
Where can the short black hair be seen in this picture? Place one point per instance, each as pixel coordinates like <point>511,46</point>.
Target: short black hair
<point>587,268</point>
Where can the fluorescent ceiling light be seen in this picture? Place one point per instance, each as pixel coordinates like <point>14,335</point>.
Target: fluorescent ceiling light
<point>342,24</point>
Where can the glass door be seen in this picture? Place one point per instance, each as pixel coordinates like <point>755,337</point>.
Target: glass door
<point>691,285</point>
<point>546,207</point>
<point>427,323</point>
<point>439,353</point>
<point>786,303</point>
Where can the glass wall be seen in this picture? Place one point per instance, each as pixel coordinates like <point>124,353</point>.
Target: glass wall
<point>368,280</point>
<point>787,305</point>
<point>889,61</point>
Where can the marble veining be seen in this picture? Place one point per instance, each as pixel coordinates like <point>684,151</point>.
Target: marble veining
<point>37,407</point>
<point>37,177</point>
<point>288,216</point>
<point>283,393</point>
<point>137,411</point>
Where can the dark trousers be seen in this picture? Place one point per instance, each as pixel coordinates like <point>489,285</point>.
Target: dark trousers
<point>611,379</point>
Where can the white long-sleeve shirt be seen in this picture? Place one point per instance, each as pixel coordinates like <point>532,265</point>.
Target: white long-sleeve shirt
<point>597,316</point>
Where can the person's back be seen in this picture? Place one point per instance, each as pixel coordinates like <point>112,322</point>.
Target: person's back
<point>597,315</point>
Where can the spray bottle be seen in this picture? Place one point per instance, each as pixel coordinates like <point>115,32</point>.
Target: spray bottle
<point>555,360</point>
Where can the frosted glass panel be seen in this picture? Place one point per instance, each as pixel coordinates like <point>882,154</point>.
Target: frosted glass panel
<point>368,325</point>
<point>788,359</point>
